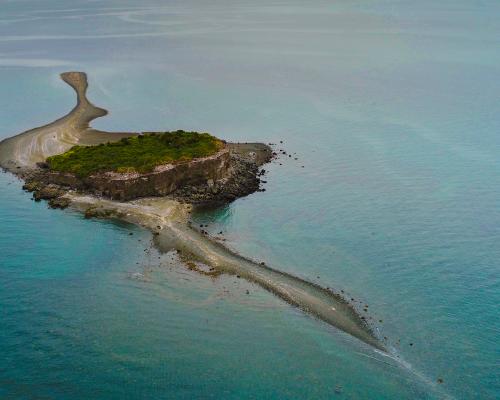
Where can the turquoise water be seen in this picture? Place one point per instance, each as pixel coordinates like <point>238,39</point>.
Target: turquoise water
<point>392,109</point>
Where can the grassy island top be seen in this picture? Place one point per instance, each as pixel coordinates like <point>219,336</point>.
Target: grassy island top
<point>136,154</point>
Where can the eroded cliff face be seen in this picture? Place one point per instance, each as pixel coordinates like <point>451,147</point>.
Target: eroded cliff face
<point>162,181</point>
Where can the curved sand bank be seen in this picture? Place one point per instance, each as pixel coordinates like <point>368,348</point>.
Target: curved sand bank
<point>26,149</point>
<point>169,218</point>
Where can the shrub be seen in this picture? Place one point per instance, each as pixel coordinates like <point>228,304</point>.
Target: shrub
<point>136,154</point>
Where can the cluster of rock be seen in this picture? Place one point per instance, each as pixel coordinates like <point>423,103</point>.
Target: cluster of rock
<point>37,183</point>
<point>242,180</point>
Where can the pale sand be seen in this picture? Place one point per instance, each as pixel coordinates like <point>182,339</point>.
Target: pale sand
<point>169,218</point>
<point>26,149</point>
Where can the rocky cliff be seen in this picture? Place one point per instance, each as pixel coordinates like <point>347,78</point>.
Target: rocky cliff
<point>164,180</point>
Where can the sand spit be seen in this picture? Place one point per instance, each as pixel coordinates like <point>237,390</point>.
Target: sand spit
<point>168,219</point>
<point>26,149</point>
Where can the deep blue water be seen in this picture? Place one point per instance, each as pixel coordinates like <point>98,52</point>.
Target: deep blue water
<point>392,109</point>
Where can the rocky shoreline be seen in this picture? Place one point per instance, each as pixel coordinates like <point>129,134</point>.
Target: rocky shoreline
<point>54,194</point>
<point>243,179</point>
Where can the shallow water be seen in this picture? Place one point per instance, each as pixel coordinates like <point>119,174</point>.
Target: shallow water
<point>392,110</point>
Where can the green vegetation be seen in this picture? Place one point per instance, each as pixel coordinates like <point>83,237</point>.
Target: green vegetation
<point>136,154</point>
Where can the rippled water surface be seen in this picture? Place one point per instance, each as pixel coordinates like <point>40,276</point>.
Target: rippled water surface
<point>392,110</point>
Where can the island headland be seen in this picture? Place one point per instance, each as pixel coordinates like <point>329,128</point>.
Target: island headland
<point>160,197</point>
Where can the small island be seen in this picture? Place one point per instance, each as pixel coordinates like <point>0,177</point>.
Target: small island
<point>191,167</point>
<point>154,179</point>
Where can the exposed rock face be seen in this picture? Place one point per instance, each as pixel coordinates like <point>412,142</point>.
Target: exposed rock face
<point>242,181</point>
<point>243,177</point>
<point>162,181</point>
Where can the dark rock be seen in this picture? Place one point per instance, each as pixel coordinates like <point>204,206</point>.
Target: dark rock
<point>47,192</point>
<point>31,186</point>
<point>42,165</point>
<point>242,181</point>
<point>91,213</point>
<point>59,202</point>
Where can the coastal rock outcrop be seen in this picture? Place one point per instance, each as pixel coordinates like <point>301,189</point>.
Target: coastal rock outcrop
<point>221,178</point>
<point>162,181</point>
<point>42,190</point>
<point>243,177</point>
